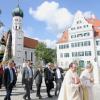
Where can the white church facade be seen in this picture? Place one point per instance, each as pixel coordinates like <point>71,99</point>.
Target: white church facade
<point>80,42</point>
<point>22,47</point>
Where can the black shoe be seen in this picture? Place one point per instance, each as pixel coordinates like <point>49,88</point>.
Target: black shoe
<point>29,99</point>
<point>40,97</point>
<point>55,94</point>
<point>24,97</point>
<point>50,96</point>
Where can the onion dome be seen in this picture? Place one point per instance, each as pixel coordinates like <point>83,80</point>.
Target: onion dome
<point>17,12</point>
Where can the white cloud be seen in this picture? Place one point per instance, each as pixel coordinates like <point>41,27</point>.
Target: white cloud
<point>88,14</point>
<point>55,17</point>
<point>50,43</point>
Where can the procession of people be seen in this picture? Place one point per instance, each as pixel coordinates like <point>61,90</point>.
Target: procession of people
<point>68,85</point>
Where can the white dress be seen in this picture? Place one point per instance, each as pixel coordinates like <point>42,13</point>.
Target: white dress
<point>69,90</point>
<point>85,75</point>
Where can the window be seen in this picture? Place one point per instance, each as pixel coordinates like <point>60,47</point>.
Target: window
<point>87,53</point>
<point>72,44</point>
<point>81,63</point>
<point>79,35</point>
<point>76,45</point>
<point>66,54</point>
<point>81,43</point>
<point>98,53</point>
<point>73,36</point>
<point>86,34</point>
<point>74,54</point>
<point>79,21</point>
<point>85,26</point>
<point>64,46</point>
<point>79,27</point>
<point>73,28</point>
<point>26,55</point>
<point>80,53</point>
<point>31,56</point>
<point>67,45</point>
<point>16,27</point>
<point>87,43</point>
<point>16,19</point>
<point>97,43</point>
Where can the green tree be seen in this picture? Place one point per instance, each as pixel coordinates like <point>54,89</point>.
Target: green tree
<point>45,54</point>
<point>49,55</point>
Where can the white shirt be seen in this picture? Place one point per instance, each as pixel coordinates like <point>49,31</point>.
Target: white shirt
<point>11,74</point>
<point>30,72</point>
<point>58,73</point>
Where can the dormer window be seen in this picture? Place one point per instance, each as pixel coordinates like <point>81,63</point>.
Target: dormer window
<point>73,28</point>
<point>79,21</point>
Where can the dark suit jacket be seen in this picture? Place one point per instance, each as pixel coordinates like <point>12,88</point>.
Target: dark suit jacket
<point>38,77</point>
<point>7,77</point>
<point>25,75</point>
<point>55,74</point>
<point>48,75</point>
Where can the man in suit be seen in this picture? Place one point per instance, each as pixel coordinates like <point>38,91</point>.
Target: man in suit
<point>58,73</point>
<point>26,77</point>
<point>10,79</point>
<point>49,78</point>
<point>38,81</point>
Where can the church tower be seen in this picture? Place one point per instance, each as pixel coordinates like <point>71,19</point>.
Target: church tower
<point>17,35</point>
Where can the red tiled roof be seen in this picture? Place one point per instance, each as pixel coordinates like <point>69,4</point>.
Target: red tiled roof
<point>64,37</point>
<point>96,26</point>
<point>95,22</point>
<point>30,43</point>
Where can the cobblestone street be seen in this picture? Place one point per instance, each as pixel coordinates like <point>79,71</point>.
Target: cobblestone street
<point>19,91</point>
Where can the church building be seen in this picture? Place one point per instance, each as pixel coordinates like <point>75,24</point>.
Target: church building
<point>22,47</point>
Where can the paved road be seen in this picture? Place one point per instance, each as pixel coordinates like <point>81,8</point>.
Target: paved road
<point>19,91</point>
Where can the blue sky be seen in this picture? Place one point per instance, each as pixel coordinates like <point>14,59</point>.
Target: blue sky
<point>47,19</point>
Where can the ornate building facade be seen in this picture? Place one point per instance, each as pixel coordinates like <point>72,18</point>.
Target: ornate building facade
<point>80,42</point>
